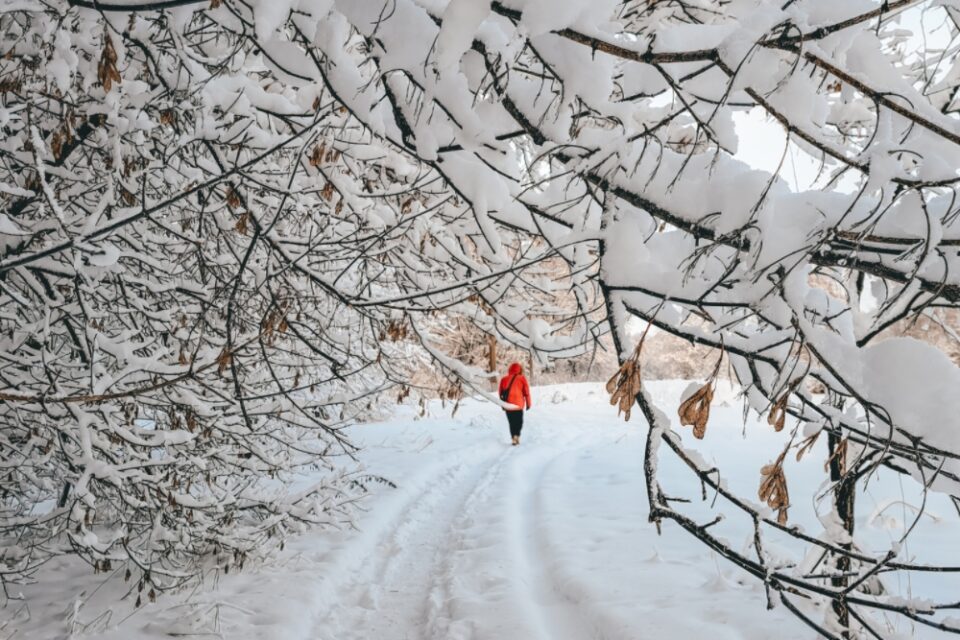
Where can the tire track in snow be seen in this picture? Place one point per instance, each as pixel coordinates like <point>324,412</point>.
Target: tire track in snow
<point>387,595</point>
<point>495,581</point>
<point>440,619</point>
<point>578,603</point>
<point>463,555</point>
<point>557,612</point>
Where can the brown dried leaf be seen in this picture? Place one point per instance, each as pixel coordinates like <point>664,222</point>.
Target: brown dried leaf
<point>626,383</point>
<point>612,382</point>
<point>396,330</point>
<point>56,143</point>
<point>129,198</point>
<point>327,192</point>
<point>840,455</point>
<point>773,488</point>
<point>624,386</point>
<point>695,410</point>
<point>10,85</point>
<point>242,224</point>
<point>107,71</point>
<point>806,445</point>
<point>233,198</point>
<point>223,361</point>
<point>316,156</point>
<point>778,413</point>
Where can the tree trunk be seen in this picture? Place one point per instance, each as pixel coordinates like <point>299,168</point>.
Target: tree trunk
<point>492,359</point>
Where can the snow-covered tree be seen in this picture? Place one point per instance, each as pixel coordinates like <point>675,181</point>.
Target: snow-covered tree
<point>222,221</point>
<point>210,262</point>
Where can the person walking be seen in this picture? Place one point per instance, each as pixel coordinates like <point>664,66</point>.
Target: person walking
<point>515,391</point>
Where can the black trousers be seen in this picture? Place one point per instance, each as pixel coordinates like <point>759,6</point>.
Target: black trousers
<point>515,418</point>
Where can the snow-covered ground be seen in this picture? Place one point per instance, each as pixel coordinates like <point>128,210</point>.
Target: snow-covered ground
<point>481,540</point>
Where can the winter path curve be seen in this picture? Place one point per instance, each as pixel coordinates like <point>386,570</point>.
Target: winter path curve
<point>544,541</point>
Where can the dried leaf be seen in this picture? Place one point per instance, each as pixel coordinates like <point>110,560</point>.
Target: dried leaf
<point>242,226</point>
<point>129,198</point>
<point>773,488</point>
<point>778,413</point>
<point>626,384</point>
<point>327,192</point>
<point>10,85</point>
<point>395,331</point>
<point>316,156</point>
<point>223,361</point>
<point>840,455</point>
<point>60,137</point>
<point>695,410</point>
<point>806,445</point>
<point>107,71</point>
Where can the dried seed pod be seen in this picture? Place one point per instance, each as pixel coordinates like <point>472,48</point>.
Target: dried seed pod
<point>773,488</point>
<point>778,413</point>
<point>242,225</point>
<point>107,71</point>
<point>840,455</point>
<point>223,361</point>
<point>327,191</point>
<point>625,384</point>
<point>316,156</point>
<point>806,445</point>
<point>695,410</point>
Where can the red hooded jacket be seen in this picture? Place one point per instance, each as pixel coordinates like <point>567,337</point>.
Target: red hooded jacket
<point>519,389</point>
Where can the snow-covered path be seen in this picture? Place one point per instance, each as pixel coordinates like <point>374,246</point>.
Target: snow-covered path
<point>548,540</point>
<point>465,548</point>
<point>479,540</point>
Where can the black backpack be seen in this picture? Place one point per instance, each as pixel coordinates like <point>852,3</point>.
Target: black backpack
<point>506,392</point>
